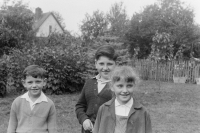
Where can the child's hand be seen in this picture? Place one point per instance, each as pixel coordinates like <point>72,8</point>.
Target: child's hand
<point>87,125</point>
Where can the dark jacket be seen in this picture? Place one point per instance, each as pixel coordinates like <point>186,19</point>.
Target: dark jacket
<point>138,119</point>
<point>90,100</point>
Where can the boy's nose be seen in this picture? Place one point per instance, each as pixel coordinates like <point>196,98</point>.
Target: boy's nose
<point>105,67</point>
<point>34,85</point>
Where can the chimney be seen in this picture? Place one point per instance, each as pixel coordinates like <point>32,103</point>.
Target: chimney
<point>38,13</point>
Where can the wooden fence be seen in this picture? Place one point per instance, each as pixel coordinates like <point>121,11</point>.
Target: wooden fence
<point>167,71</point>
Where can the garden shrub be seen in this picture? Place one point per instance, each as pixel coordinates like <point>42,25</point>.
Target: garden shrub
<point>3,78</point>
<point>66,62</point>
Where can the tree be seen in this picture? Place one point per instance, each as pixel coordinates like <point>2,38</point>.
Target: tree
<point>117,19</point>
<point>94,25</point>
<point>168,17</point>
<point>15,26</point>
<point>142,27</point>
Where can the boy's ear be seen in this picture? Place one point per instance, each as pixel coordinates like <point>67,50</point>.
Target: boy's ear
<point>23,82</point>
<point>45,81</point>
<point>95,63</point>
<point>112,88</point>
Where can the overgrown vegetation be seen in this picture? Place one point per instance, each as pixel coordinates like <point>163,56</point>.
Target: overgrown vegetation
<point>166,28</point>
<point>163,31</point>
<point>60,55</point>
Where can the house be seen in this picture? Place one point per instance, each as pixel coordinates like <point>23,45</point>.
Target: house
<point>46,23</point>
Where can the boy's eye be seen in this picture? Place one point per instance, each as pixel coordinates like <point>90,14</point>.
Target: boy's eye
<point>110,64</point>
<point>119,86</point>
<point>130,85</point>
<point>30,82</point>
<point>38,81</point>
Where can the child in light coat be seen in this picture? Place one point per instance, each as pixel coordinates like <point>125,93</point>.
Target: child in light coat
<point>123,113</point>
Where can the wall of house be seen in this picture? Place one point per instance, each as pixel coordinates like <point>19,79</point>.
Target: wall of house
<point>44,28</point>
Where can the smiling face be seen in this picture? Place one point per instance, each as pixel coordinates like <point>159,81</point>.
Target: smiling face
<point>34,86</point>
<point>104,66</point>
<point>123,90</point>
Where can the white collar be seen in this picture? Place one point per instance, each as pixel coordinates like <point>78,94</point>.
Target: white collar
<point>128,104</point>
<point>99,79</point>
<point>40,99</point>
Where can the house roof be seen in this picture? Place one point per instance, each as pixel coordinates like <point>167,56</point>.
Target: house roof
<point>41,20</point>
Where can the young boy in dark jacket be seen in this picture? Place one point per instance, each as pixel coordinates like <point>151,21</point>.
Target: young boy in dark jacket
<point>96,90</point>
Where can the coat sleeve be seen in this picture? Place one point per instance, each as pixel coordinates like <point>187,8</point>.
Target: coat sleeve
<point>148,128</point>
<point>81,107</point>
<point>98,120</point>
<point>12,126</point>
<point>51,121</point>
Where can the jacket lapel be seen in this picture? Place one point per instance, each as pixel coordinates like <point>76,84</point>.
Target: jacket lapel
<point>111,108</point>
<point>136,105</point>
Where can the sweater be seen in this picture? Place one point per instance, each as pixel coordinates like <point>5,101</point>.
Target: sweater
<point>138,119</point>
<point>42,119</point>
<point>121,122</point>
<point>90,100</point>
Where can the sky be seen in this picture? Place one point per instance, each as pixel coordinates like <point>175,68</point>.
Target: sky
<point>73,11</point>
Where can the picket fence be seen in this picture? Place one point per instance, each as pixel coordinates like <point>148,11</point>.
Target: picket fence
<point>171,71</point>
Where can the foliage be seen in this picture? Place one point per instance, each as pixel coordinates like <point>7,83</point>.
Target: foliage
<point>117,19</point>
<point>3,74</point>
<point>15,26</point>
<point>167,16</point>
<point>196,44</point>
<point>108,29</point>
<point>60,55</point>
<point>93,26</point>
<point>161,48</point>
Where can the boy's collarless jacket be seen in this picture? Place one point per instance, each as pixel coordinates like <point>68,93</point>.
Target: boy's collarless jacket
<point>138,119</point>
<point>90,100</point>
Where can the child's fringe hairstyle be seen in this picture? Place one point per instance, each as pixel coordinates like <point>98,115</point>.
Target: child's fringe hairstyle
<point>125,73</point>
<point>34,71</point>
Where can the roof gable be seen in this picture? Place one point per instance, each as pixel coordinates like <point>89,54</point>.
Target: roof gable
<point>42,19</point>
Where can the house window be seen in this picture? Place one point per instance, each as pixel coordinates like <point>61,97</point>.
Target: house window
<point>50,29</point>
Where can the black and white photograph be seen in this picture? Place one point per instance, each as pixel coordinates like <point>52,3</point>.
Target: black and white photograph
<point>99,66</point>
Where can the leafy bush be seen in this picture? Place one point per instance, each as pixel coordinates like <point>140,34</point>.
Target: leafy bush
<point>3,78</point>
<point>61,55</point>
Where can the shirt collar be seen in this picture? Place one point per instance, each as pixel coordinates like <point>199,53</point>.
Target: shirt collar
<point>42,97</point>
<point>99,80</point>
<point>128,104</point>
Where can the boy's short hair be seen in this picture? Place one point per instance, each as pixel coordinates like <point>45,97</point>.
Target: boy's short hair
<point>125,73</point>
<point>107,51</point>
<point>34,71</point>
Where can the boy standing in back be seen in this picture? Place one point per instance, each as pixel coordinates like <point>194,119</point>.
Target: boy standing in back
<point>96,90</point>
<point>33,112</point>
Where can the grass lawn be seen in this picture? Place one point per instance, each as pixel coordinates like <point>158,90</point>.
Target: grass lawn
<point>174,108</point>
